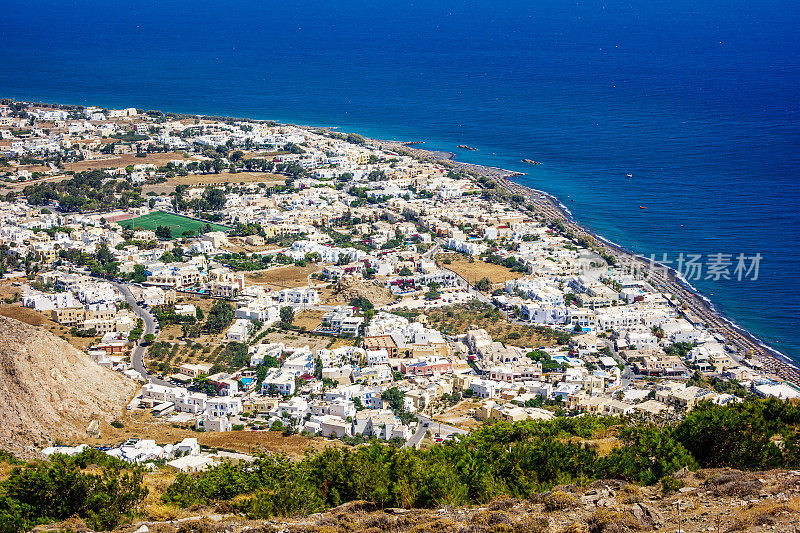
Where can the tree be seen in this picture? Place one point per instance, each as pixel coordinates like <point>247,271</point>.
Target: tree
<point>355,138</point>
<point>215,198</point>
<point>649,454</point>
<point>394,397</point>
<point>220,316</point>
<point>164,232</point>
<point>139,275</point>
<point>148,338</point>
<point>58,489</point>
<point>318,367</point>
<point>484,284</point>
<point>405,271</point>
<point>361,303</point>
<point>287,316</point>
<point>658,332</point>
<point>740,435</point>
<point>190,331</point>
<point>202,384</point>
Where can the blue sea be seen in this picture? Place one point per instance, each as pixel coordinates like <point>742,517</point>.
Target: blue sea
<point>697,100</point>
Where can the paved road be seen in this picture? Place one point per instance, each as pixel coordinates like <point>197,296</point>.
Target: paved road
<point>430,253</point>
<point>442,429</point>
<point>478,295</point>
<point>417,437</point>
<point>434,427</point>
<point>150,324</point>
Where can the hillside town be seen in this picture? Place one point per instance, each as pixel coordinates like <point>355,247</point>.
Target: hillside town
<point>256,276</point>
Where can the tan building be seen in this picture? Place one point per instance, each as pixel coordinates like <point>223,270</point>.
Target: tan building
<point>382,342</point>
<point>254,240</point>
<point>76,316</point>
<point>396,346</point>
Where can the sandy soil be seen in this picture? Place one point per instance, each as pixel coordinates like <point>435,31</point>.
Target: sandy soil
<point>143,424</point>
<point>212,179</point>
<point>36,318</point>
<point>308,319</point>
<point>278,278</point>
<point>477,270</point>
<point>123,160</point>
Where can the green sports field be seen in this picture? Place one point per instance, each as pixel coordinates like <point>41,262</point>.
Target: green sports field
<point>177,223</point>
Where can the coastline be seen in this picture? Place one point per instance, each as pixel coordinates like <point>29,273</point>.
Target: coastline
<point>703,309</point>
<point>699,308</point>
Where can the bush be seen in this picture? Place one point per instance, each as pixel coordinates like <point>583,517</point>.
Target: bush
<point>630,494</point>
<point>735,483</point>
<point>117,424</point>
<point>741,435</point>
<point>39,493</point>
<point>558,500</point>
<point>500,460</point>
<point>670,484</point>
<point>219,317</point>
<point>610,520</point>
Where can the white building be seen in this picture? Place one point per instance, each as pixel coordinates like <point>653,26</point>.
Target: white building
<point>224,406</point>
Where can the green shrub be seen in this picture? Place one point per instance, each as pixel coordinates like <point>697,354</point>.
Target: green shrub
<point>670,484</point>
<point>43,492</point>
<point>501,460</point>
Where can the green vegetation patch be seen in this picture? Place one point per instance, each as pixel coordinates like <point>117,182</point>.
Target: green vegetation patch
<point>503,460</point>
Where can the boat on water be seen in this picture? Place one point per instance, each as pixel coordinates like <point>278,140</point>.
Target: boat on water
<point>531,162</point>
<point>629,175</point>
<point>642,207</point>
<point>467,147</point>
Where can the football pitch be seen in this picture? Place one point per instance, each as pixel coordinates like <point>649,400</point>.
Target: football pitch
<point>177,223</point>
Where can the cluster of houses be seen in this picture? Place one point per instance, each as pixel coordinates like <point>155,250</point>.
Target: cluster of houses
<point>359,212</point>
<point>184,456</point>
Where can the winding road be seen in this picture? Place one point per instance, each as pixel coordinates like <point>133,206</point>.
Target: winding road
<point>150,326</point>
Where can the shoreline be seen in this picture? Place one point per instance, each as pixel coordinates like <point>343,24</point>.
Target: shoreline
<point>700,309</point>
<point>700,306</point>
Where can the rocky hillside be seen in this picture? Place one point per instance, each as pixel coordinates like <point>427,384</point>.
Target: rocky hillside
<point>49,390</point>
<point>718,500</point>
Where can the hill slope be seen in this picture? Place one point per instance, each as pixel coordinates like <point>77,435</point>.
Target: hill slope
<point>49,390</point>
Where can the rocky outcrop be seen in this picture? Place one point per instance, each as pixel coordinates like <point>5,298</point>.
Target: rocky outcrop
<point>51,391</point>
<point>349,288</point>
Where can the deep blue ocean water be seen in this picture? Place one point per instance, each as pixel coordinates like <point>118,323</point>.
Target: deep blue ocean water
<point>698,100</point>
